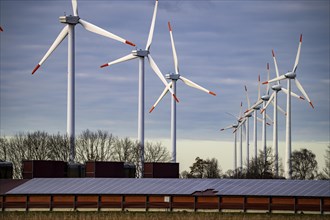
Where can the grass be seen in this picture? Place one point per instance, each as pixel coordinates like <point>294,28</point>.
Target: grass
<point>151,215</point>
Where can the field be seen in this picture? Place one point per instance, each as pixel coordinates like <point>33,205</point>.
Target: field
<point>151,215</point>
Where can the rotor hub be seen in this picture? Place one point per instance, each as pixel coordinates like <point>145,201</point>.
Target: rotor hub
<point>140,53</point>
<point>172,76</point>
<point>69,19</point>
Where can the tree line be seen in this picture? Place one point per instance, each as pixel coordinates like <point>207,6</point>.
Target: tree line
<point>304,167</point>
<point>90,146</point>
<point>104,146</point>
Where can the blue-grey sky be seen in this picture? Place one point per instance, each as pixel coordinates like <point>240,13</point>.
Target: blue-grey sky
<point>221,45</point>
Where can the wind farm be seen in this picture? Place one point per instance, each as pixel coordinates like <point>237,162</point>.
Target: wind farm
<point>97,115</point>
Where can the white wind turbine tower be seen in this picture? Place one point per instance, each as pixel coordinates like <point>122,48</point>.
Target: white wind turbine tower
<point>174,77</point>
<point>273,99</point>
<point>290,75</point>
<point>240,122</point>
<point>69,30</point>
<point>141,54</point>
<point>234,126</point>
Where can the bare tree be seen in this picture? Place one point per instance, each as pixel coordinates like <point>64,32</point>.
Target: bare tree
<point>3,149</point>
<point>156,152</point>
<point>94,146</point>
<point>326,169</point>
<point>124,150</point>
<point>59,145</point>
<point>304,164</point>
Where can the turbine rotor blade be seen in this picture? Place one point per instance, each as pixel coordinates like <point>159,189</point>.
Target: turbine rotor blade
<point>194,85</point>
<point>226,128</point>
<point>55,44</point>
<point>270,119</point>
<point>247,96</point>
<point>123,59</point>
<point>175,57</point>
<point>155,68</point>
<point>267,90</point>
<point>276,67</point>
<point>303,91</point>
<point>152,27</point>
<point>255,105</point>
<point>95,29</point>
<point>280,109</point>
<point>275,79</point>
<point>75,7</point>
<point>165,91</point>
<point>258,86</point>
<point>292,94</point>
<point>298,55</point>
<point>268,102</point>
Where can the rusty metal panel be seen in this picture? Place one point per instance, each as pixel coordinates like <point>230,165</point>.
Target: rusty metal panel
<point>102,169</point>
<point>161,170</point>
<point>44,169</point>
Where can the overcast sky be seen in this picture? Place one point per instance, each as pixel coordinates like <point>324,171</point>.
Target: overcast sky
<point>221,45</point>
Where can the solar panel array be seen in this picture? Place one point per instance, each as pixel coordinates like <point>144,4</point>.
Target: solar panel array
<point>239,187</point>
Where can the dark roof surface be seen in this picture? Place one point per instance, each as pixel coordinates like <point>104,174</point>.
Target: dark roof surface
<point>304,188</point>
<point>9,184</point>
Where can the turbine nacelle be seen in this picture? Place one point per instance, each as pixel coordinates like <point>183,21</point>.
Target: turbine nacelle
<point>290,75</point>
<point>172,76</point>
<point>265,97</point>
<point>140,53</point>
<point>69,19</point>
<point>277,87</point>
<point>248,115</point>
<point>257,107</point>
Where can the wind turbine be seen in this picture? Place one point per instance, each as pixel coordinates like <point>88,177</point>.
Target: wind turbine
<point>273,98</point>
<point>174,77</point>
<point>290,75</point>
<point>240,122</point>
<point>69,30</point>
<point>234,126</point>
<point>141,54</point>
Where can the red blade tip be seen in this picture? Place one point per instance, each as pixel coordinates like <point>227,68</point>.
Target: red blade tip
<point>311,104</point>
<point>273,53</point>
<point>1,29</point>
<point>267,66</point>
<point>265,82</point>
<point>169,26</point>
<point>212,93</point>
<point>222,129</point>
<point>129,43</point>
<point>104,65</point>
<point>259,78</point>
<point>300,37</point>
<point>153,107</point>
<point>302,98</point>
<point>176,99</point>
<point>262,110</point>
<point>35,69</point>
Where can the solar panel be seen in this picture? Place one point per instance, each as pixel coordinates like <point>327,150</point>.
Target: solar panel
<point>239,187</point>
